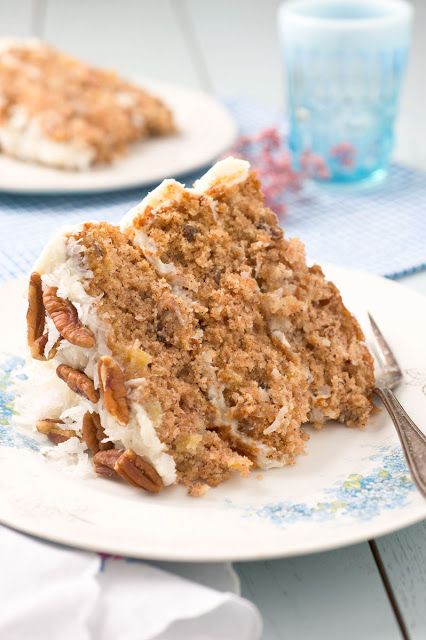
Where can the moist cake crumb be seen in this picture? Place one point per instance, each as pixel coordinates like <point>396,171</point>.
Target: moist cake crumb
<point>214,341</point>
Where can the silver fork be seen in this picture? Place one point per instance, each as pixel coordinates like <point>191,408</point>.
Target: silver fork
<point>412,439</point>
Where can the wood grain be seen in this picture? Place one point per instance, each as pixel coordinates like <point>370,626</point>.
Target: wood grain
<point>404,557</point>
<point>333,595</point>
<point>411,125</point>
<point>233,48</point>
<point>140,38</point>
<point>16,18</point>
<point>239,44</point>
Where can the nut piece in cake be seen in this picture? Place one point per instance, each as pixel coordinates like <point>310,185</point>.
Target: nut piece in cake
<point>78,382</point>
<point>65,318</point>
<point>111,382</point>
<point>138,472</point>
<point>36,318</point>
<point>130,467</point>
<point>52,429</point>
<point>104,462</point>
<point>36,337</point>
<point>93,433</point>
<point>212,342</point>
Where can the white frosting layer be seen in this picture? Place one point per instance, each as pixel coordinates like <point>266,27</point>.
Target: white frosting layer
<point>150,252</point>
<point>227,172</point>
<point>60,266</point>
<point>53,254</point>
<point>264,454</point>
<point>167,192</point>
<point>141,436</point>
<point>22,43</point>
<point>22,137</point>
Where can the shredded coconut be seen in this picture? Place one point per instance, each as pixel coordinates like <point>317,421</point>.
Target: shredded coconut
<point>47,396</point>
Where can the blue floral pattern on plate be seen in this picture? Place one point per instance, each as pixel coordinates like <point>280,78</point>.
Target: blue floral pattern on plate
<point>11,370</point>
<point>359,497</point>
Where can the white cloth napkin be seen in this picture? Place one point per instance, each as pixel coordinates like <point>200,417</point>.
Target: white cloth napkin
<point>49,592</point>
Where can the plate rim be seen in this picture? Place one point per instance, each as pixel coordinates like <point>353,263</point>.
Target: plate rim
<point>134,183</point>
<point>362,532</point>
<point>187,557</point>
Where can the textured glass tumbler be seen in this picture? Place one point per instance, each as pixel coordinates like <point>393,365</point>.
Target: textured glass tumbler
<point>345,61</point>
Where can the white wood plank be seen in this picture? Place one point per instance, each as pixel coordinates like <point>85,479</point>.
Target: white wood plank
<point>411,128</point>
<point>238,41</point>
<point>16,17</point>
<point>137,37</point>
<point>331,595</point>
<point>241,51</point>
<point>240,47</point>
<point>404,557</point>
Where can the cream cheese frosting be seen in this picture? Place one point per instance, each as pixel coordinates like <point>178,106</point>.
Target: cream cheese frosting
<point>22,137</point>
<point>226,173</point>
<point>52,116</point>
<point>60,265</point>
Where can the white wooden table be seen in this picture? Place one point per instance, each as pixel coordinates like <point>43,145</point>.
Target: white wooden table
<point>375,590</point>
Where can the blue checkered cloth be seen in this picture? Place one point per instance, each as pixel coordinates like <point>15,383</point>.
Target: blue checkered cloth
<point>382,231</point>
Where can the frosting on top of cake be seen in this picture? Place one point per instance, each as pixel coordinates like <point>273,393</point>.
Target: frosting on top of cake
<point>22,136</point>
<point>41,122</point>
<point>226,173</point>
<point>61,265</point>
<point>7,43</point>
<point>54,252</point>
<point>168,192</point>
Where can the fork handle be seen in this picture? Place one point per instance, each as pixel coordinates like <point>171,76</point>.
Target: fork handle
<point>412,439</point>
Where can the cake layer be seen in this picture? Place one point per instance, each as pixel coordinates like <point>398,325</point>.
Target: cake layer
<point>304,312</point>
<point>193,339</point>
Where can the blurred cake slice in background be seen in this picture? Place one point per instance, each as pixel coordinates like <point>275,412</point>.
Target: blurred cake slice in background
<point>191,342</point>
<point>58,111</point>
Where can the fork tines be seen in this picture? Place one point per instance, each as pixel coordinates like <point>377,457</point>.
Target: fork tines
<point>385,353</point>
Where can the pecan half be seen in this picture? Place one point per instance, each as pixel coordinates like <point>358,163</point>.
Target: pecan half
<point>129,466</point>
<point>40,345</point>
<point>49,427</point>
<point>65,318</point>
<point>138,472</point>
<point>111,382</point>
<point>78,382</point>
<point>104,462</point>
<point>36,318</point>
<point>93,433</point>
<point>54,349</point>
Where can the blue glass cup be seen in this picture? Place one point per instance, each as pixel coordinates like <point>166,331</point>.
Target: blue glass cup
<point>345,61</point>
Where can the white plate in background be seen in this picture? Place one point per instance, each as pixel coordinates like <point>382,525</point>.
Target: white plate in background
<point>206,129</point>
<point>353,484</point>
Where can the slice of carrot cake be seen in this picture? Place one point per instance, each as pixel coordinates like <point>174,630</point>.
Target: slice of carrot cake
<point>59,111</point>
<point>192,341</point>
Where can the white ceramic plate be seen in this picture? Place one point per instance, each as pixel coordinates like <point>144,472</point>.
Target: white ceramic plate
<point>352,486</point>
<point>206,129</point>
